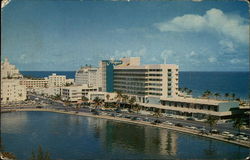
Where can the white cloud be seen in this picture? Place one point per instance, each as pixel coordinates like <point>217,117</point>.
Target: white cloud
<point>191,54</point>
<point>212,59</point>
<point>215,20</point>
<point>227,46</point>
<point>235,61</point>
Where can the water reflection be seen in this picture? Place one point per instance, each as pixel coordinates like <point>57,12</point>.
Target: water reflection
<point>15,124</point>
<point>134,138</point>
<point>91,138</point>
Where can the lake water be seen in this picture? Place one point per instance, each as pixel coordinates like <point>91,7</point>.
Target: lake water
<point>221,82</point>
<point>72,137</point>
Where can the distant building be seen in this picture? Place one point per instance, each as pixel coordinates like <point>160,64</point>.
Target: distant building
<point>56,80</point>
<point>34,83</point>
<point>9,71</point>
<point>88,75</point>
<point>75,93</point>
<point>12,91</point>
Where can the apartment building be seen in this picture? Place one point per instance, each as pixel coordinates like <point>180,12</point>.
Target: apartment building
<point>88,75</point>
<point>9,71</point>
<point>34,83</point>
<point>56,80</point>
<point>12,91</point>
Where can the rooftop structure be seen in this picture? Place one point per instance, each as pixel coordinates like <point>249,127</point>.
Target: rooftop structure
<point>88,75</point>
<point>9,70</point>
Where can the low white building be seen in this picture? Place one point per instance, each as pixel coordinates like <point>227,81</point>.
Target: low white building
<point>108,97</point>
<point>75,93</point>
<point>51,91</point>
<point>12,91</point>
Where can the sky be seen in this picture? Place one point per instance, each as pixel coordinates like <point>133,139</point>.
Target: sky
<point>63,35</point>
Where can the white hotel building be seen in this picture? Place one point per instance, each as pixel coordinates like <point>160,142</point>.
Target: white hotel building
<point>88,75</point>
<point>156,86</point>
<point>11,90</point>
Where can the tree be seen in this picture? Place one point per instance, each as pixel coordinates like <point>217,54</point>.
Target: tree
<point>238,124</point>
<point>118,98</point>
<point>157,112</point>
<point>217,95</point>
<point>233,96</point>
<point>207,93</point>
<point>125,99</point>
<point>189,92</point>
<point>40,153</point>
<point>226,95</point>
<point>131,101</point>
<point>33,155</point>
<point>97,102</point>
<point>212,121</point>
<point>137,108</point>
<point>108,96</point>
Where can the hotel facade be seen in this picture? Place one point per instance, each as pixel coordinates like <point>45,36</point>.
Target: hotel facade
<point>157,86</point>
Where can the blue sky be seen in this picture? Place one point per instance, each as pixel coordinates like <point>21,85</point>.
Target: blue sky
<point>62,35</point>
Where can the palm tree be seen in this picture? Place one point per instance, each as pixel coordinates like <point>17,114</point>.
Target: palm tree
<point>131,101</point>
<point>40,154</point>
<point>125,99</point>
<point>233,96</point>
<point>118,98</point>
<point>207,93</point>
<point>212,121</point>
<point>217,95</point>
<point>238,124</point>
<point>226,95</point>
<point>189,92</point>
<point>97,102</point>
<point>137,108</point>
<point>107,96</point>
<point>85,99</point>
<point>157,112</point>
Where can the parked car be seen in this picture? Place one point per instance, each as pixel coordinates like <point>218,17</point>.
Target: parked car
<point>39,106</point>
<point>215,131</point>
<point>168,123</point>
<point>190,119</point>
<point>178,125</point>
<point>158,121</point>
<point>225,133</point>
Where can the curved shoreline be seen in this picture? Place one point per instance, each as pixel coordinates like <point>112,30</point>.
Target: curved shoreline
<point>165,126</point>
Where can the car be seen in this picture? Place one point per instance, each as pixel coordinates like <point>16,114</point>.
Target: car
<point>178,125</point>
<point>214,131</point>
<point>194,128</point>
<point>168,123</point>
<point>39,106</point>
<point>190,119</point>
<point>158,121</point>
<point>225,133</point>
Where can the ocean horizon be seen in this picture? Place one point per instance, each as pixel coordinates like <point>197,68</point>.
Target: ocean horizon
<point>222,82</point>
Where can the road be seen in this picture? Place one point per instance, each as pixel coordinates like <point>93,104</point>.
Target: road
<point>59,106</point>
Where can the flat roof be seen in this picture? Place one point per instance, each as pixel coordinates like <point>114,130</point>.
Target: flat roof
<point>195,100</point>
<point>189,110</point>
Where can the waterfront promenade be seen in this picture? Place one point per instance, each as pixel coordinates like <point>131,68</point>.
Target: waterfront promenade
<point>138,122</point>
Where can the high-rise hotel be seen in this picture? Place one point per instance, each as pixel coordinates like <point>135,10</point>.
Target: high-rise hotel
<point>156,86</point>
